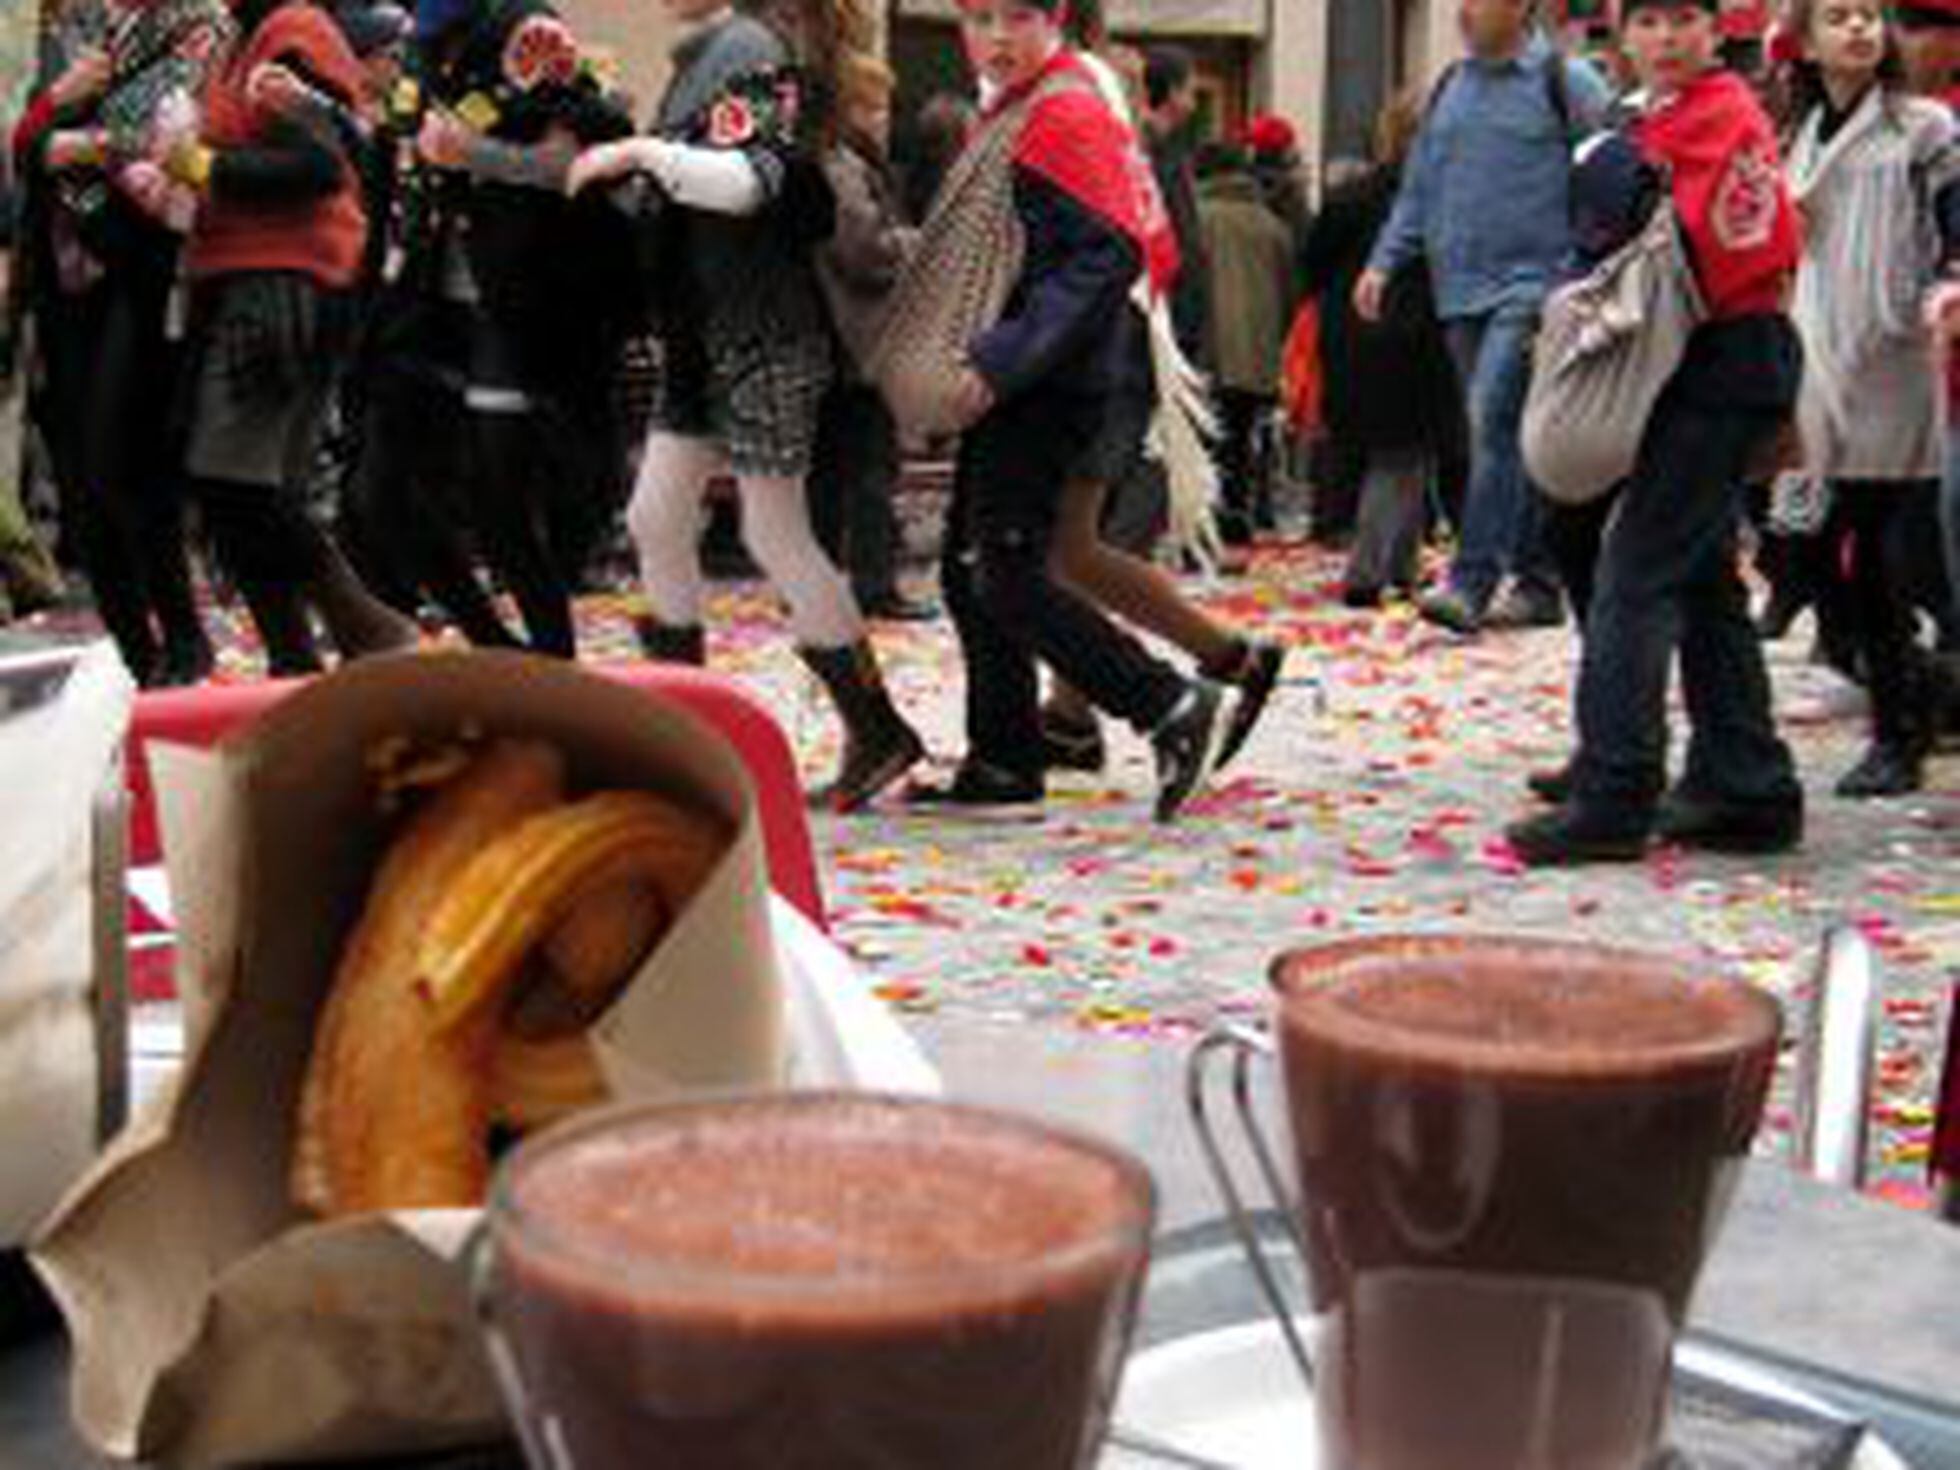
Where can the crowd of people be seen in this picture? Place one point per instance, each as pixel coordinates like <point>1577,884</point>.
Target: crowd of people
<point>429,259</point>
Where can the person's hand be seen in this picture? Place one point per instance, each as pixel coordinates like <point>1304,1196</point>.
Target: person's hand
<point>605,162</point>
<point>73,148</point>
<point>276,87</point>
<point>1942,311</point>
<point>1369,290</point>
<point>86,78</point>
<point>445,139</point>
<point>154,192</point>
<point>972,398</point>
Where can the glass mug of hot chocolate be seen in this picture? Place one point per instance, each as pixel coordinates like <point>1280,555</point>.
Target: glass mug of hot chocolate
<point>812,1279</point>
<point>1512,1156</point>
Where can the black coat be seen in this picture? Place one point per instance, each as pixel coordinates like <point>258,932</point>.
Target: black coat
<point>1390,384</point>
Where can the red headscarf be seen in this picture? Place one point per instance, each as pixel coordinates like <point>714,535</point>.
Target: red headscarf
<point>1075,141</point>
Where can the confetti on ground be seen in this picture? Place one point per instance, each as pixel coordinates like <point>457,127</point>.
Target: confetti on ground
<point>1372,799</point>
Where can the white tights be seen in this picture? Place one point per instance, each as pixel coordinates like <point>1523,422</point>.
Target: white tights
<point>665,521</point>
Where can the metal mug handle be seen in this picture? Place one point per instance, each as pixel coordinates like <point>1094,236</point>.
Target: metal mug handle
<point>1243,1044</point>
<point>543,1448</point>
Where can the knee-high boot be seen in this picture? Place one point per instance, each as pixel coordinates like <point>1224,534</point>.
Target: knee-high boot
<point>879,745</point>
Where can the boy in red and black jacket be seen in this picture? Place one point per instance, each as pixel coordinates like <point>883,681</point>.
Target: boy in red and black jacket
<point>1035,393</point>
<point>1667,576</point>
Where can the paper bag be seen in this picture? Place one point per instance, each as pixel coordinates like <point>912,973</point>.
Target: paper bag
<point>56,756</point>
<point>212,1324</point>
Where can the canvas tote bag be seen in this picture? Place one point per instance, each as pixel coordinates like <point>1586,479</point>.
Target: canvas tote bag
<point>1606,348</point>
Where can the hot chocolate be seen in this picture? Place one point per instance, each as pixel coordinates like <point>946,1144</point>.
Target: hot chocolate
<point>1512,1158</point>
<point>834,1282</point>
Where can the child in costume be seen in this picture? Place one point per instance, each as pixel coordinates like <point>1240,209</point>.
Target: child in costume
<point>1874,172</point>
<point>1667,581</point>
<point>746,354</point>
<point>1104,536</point>
<point>541,285</point>
<point>1032,395</point>
<point>272,259</point>
<point>100,263</point>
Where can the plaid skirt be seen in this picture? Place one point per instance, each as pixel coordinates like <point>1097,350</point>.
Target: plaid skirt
<point>265,347</point>
<point>756,397</point>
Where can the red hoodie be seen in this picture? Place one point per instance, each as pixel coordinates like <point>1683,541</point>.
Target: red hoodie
<point>321,238</point>
<point>1716,143</point>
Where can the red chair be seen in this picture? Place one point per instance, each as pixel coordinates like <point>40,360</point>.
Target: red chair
<point>203,716</point>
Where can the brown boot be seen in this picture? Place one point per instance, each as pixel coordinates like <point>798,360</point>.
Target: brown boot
<point>879,746</point>
<point>670,643</point>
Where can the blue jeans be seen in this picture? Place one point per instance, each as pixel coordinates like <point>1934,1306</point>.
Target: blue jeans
<point>1499,533</point>
<point>1667,582</point>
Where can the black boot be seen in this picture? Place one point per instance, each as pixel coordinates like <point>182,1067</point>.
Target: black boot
<point>280,616</point>
<point>879,746</point>
<point>671,644</point>
<point>1889,767</point>
<point>1553,784</point>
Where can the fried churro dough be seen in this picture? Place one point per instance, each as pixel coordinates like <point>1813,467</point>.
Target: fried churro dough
<point>533,1083</point>
<point>603,938</point>
<point>395,1112</point>
<point>520,887</point>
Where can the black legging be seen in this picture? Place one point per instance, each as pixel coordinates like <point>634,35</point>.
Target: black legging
<point>1871,525</point>
<point>1005,604</point>
<point>399,513</point>
<point>110,400</point>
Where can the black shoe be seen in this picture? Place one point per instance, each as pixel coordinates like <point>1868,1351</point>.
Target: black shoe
<point>1889,768</point>
<point>1361,598</point>
<point>896,607</point>
<point>977,786</point>
<point>1568,836</point>
<point>1526,605</point>
<point>1448,608</point>
<point>1071,745</point>
<point>1187,745</point>
<point>672,643</point>
<point>1724,824</point>
<point>1553,786</point>
<point>1257,679</point>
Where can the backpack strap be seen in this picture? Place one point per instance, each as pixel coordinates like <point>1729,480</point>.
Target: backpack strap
<point>1558,91</point>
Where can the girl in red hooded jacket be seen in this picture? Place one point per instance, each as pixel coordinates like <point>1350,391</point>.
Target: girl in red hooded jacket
<point>272,258</point>
<point>1667,575</point>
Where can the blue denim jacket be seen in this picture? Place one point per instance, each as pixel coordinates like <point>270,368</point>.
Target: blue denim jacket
<point>1486,194</point>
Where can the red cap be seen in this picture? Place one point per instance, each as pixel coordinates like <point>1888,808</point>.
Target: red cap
<point>1267,132</point>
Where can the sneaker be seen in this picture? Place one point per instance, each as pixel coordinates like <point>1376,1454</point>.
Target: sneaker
<point>1888,768</point>
<point>978,786</point>
<point>1569,836</point>
<point>1258,678</point>
<point>1187,745</point>
<point>1448,608</point>
<point>1526,605</point>
<point>1725,824</point>
<point>1072,745</point>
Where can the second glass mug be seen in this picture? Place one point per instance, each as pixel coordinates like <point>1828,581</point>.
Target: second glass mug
<point>1513,1155</point>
